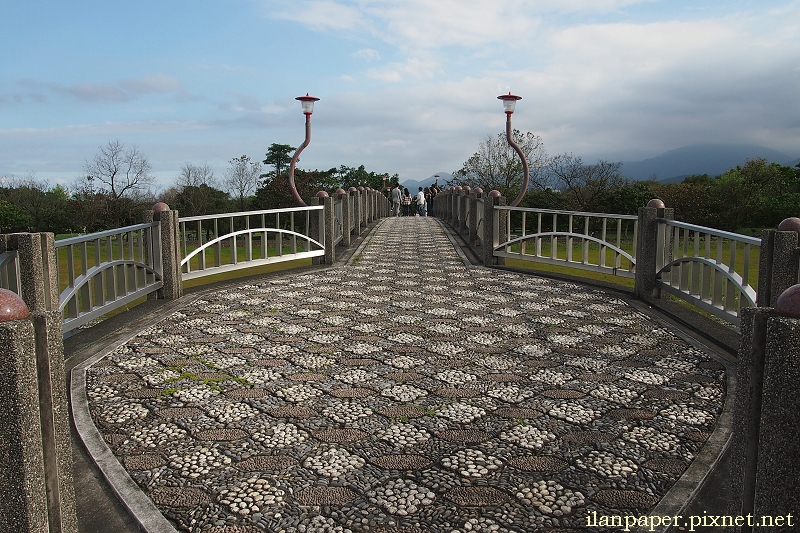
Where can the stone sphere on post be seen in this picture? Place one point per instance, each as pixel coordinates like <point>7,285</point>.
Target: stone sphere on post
<point>478,191</point>
<point>467,188</point>
<point>322,194</point>
<point>459,188</point>
<point>788,303</point>
<point>12,307</point>
<point>361,188</point>
<point>340,191</point>
<point>657,203</point>
<point>790,224</point>
<point>494,193</point>
<point>352,189</point>
<point>160,206</point>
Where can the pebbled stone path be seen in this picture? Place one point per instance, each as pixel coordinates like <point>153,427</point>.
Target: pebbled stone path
<point>405,393</point>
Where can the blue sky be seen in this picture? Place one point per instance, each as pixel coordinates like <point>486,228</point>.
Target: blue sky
<point>405,86</point>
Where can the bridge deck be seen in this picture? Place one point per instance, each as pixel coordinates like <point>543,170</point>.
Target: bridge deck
<point>404,392</point>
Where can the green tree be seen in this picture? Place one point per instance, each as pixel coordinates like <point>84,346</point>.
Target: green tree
<point>628,198</point>
<point>201,200</point>
<point>12,218</point>
<point>46,208</point>
<point>278,156</point>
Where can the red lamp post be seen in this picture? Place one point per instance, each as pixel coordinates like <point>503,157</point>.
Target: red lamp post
<point>509,102</point>
<point>307,103</point>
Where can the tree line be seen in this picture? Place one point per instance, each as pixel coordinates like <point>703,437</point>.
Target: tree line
<point>118,185</point>
<point>758,194</point>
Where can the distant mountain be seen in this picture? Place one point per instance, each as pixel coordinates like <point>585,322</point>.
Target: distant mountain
<point>711,159</point>
<point>414,185</point>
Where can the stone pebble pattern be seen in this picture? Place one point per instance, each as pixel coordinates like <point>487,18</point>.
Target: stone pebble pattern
<point>405,393</point>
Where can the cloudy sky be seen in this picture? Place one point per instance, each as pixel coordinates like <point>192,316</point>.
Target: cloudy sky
<point>406,86</point>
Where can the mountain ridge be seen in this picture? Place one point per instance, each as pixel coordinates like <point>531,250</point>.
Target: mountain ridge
<point>711,159</point>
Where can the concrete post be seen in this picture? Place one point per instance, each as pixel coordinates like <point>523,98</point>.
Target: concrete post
<point>359,210</point>
<point>462,212</point>
<point>472,223</point>
<point>346,217</point>
<point>370,206</point>
<point>778,470</point>
<point>647,247</point>
<point>777,265</point>
<point>23,507</point>
<point>37,268</point>
<point>330,246</point>
<point>456,207</point>
<point>36,453</point>
<point>747,409</point>
<point>172,288</point>
<point>450,204</point>
<point>494,228</point>
<point>764,470</point>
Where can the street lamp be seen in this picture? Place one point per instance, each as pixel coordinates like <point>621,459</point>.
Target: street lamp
<point>307,103</point>
<point>509,102</point>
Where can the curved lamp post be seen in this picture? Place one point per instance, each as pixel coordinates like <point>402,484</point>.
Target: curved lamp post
<point>308,107</point>
<point>509,102</point>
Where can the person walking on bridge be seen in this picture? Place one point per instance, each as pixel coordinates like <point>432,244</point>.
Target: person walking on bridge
<point>421,202</point>
<point>396,197</point>
<point>406,202</point>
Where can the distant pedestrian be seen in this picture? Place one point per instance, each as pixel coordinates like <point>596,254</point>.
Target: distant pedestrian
<point>429,196</point>
<point>421,203</point>
<point>397,197</point>
<point>406,202</point>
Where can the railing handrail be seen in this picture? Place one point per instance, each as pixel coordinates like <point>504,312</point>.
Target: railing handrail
<point>560,212</point>
<point>251,213</point>
<point>711,231</point>
<point>107,233</point>
<point>228,236</point>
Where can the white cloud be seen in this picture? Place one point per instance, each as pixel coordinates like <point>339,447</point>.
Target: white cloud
<point>413,67</point>
<point>367,53</point>
<point>319,14</point>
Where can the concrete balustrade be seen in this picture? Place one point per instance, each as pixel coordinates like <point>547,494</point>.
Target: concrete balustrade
<point>36,450</point>
<point>765,472</point>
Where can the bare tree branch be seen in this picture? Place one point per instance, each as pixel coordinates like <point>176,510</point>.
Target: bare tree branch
<point>497,166</point>
<point>241,179</point>
<point>124,172</point>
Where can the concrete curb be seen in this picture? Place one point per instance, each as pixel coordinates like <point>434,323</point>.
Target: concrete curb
<point>364,243</point>
<point>457,247</point>
<point>140,507</point>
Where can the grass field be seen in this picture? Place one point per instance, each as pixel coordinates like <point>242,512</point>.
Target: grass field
<point>92,252</point>
<point>593,257</point>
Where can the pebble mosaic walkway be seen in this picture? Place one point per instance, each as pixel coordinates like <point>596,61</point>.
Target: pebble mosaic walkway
<point>404,393</point>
